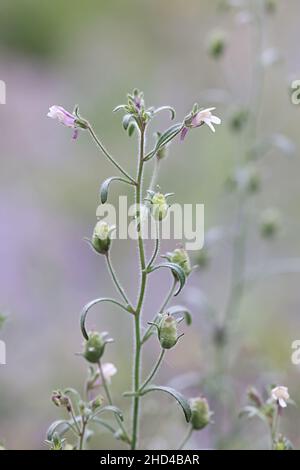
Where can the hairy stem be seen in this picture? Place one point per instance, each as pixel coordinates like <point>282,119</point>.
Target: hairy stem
<point>138,310</point>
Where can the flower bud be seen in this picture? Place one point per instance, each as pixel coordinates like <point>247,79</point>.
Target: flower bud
<point>101,237</point>
<point>59,399</point>
<point>159,206</point>
<point>96,403</point>
<point>84,409</point>
<point>282,443</point>
<point>163,151</point>
<point>216,44</point>
<point>94,346</point>
<point>201,413</point>
<point>179,256</point>
<point>167,331</point>
<point>56,442</point>
<point>270,223</point>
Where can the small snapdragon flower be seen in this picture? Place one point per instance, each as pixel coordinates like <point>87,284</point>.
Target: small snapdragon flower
<point>159,205</point>
<point>109,370</point>
<point>101,237</point>
<point>72,120</point>
<point>197,118</point>
<point>281,395</point>
<point>96,403</point>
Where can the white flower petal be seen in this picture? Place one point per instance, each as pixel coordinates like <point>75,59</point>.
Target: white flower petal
<point>215,120</point>
<point>207,121</point>
<point>282,403</point>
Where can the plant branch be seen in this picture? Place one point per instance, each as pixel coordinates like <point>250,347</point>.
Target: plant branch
<point>107,154</point>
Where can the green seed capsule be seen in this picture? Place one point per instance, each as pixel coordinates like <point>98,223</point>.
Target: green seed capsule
<point>201,413</point>
<point>94,347</point>
<point>180,257</point>
<point>167,332</point>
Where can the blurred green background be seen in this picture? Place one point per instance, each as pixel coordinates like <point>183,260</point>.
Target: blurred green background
<point>92,53</point>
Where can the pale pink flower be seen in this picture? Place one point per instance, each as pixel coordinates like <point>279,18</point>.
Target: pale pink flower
<point>281,395</point>
<point>204,116</point>
<point>109,370</point>
<point>64,117</point>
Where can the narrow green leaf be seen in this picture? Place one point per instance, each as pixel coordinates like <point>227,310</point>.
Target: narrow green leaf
<point>89,305</point>
<point>177,272</point>
<point>105,187</point>
<point>166,108</point>
<point>103,423</point>
<point>183,402</point>
<point>60,427</point>
<point>164,139</point>
<point>168,135</point>
<point>112,409</point>
<point>118,108</point>
<point>126,121</point>
<point>181,310</point>
<point>131,129</point>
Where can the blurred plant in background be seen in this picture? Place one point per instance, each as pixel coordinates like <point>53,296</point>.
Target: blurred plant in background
<point>244,183</point>
<point>269,411</point>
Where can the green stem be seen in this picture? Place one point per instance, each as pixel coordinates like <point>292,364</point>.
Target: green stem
<point>138,310</point>
<point>110,401</point>
<point>186,438</point>
<point>274,426</point>
<point>154,174</point>
<point>154,370</point>
<point>74,418</point>
<point>107,154</point>
<point>115,279</point>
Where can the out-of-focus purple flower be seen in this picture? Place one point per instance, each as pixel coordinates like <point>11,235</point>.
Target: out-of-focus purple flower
<point>199,118</point>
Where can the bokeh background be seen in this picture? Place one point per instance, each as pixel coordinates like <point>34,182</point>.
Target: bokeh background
<point>92,53</point>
